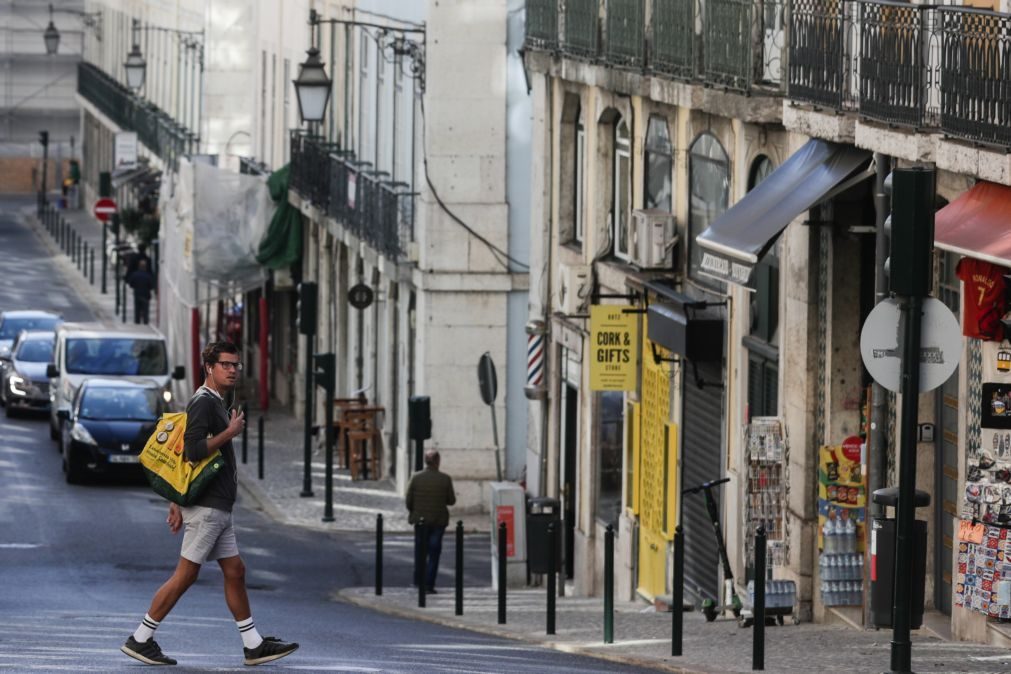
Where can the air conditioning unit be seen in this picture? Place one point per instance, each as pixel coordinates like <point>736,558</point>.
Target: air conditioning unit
<point>574,288</point>
<point>653,239</point>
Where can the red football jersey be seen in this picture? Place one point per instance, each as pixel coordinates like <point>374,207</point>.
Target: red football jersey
<point>984,303</point>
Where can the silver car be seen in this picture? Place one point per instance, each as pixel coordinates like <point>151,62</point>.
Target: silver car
<point>23,381</point>
<point>13,322</point>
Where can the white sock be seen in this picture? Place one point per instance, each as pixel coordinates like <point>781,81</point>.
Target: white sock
<point>247,630</point>
<point>146,629</point>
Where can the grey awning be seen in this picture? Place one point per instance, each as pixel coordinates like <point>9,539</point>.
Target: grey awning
<point>736,240</point>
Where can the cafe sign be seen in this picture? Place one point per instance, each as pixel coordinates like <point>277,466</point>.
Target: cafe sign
<point>614,334</point>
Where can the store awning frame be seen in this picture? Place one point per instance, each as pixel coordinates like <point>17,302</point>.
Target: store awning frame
<point>976,224</point>
<point>735,242</point>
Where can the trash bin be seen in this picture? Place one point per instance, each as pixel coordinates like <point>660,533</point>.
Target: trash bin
<point>542,511</point>
<point>883,560</point>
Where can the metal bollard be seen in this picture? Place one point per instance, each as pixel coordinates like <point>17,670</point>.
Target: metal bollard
<point>502,579</point>
<point>245,433</point>
<point>91,278</point>
<point>459,567</point>
<point>420,576</point>
<point>609,585</point>
<point>552,564</point>
<point>678,592</point>
<point>758,645</point>
<point>84,259</point>
<point>379,554</point>
<point>259,449</point>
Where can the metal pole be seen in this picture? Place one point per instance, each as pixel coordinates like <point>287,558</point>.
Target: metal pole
<point>245,435</point>
<point>911,317</point>
<point>422,561</point>
<point>878,465</point>
<point>328,479</point>
<point>552,571</point>
<point>105,256</point>
<point>115,280</point>
<point>307,436</point>
<point>758,645</point>
<point>84,258</point>
<point>379,554</point>
<point>459,567</point>
<point>419,455</point>
<point>259,448</point>
<point>502,537</point>
<point>91,278</point>
<point>609,585</point>
<point>678,591</point>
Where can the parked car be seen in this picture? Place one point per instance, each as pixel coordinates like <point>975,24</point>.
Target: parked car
<point>23,381</point>
<point>13,322</point>
<point>92,350</point>
<point>107,425</point>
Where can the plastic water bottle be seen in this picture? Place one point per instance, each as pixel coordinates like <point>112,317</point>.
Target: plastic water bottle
<point>850,536</point>
<point>828,534</point>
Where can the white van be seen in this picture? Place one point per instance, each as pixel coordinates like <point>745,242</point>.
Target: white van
<point>86,350</point>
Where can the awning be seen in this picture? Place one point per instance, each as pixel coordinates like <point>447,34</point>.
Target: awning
<point>281,245</point>
<point>977,224</point>
<point>736,240</point>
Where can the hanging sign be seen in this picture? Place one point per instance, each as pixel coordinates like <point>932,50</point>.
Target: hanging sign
<point>125,150</point>
<point>360,296</point>
<point>613,337</point>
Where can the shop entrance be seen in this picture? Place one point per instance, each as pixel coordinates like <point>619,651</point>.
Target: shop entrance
<point>701,461</point>
<point>946,456</point>
<point>570,449</point>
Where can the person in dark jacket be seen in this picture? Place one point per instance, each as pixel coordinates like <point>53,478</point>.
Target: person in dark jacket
<point>143,284</point>
<point>209,534</point>
<point>429,494</point>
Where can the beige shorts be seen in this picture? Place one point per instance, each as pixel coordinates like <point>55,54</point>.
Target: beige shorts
<point>208,534</point>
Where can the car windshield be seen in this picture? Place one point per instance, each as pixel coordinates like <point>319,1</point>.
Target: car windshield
<point>10,327</point>
<point>35,351</point>
<point>123,356</point>
<point>120,404</point>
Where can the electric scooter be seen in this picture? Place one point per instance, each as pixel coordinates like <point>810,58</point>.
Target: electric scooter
<point>709,607</point>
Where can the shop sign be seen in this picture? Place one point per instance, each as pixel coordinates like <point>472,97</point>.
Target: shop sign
<point>507,515</point>
<point>940,344</point>
<point>125,151</point>
<point>614,334</point>
<point>360,296</point>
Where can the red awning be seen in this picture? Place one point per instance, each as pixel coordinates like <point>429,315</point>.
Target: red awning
<point>977,224</point>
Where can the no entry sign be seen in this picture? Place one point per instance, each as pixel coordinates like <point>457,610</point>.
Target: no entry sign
<point>104,208</point>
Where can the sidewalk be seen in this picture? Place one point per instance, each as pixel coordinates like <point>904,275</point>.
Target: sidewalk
<point>642,636</point>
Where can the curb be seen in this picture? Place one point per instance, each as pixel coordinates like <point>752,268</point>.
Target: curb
<point>628,660</point>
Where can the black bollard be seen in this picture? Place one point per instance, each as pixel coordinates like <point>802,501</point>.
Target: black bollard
<point>379,554</point>
<point>758,646</point>
<point>552,563</point>
<point>84,259</point>
<point>678,592</point>
<point>502,579</point>
<point>459,567</point>
<point>245,433</point>
<point>609,585</point>
<point>259,448</point>
<point>422,561</point>
<point>91,278</point>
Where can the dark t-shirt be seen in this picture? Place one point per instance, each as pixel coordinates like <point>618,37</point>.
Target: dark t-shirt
<point>206,416</point>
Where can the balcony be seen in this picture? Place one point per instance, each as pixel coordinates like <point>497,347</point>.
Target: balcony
<point>731,44</point>
<point>155,128</point>
<point>924,67</point>
<point>361,200</point>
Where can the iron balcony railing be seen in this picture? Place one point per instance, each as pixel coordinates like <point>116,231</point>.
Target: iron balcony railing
<point>735,44</point>
<point>161,134</point>
<point>945,68</point>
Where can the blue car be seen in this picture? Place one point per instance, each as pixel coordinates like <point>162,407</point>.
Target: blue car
<point>107,425</point>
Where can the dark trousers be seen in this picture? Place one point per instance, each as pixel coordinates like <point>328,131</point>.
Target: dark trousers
<point>141,306</point>
<point>431,565</point>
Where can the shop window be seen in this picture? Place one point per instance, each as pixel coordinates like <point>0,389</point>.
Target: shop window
<point>609,450</point>
<point>621,184</point>
<point>659,156</point>
<point>709,187</point>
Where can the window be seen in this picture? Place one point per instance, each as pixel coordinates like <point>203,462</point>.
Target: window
<point>621,184</point>
<point>577,177</point>
<point>762,341</point>
<point>709,189</point>
<point>609,449</point>
<point>380,164</point>
<point>364,143</point>
<point>659,165</point>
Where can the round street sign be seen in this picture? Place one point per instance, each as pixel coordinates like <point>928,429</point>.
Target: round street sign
<point>360,296</point>
<point>940,344</point>
<point>486,379</point>
<point>104,208</point>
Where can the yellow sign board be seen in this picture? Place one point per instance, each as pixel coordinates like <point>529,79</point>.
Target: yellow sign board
<point>613,338</point>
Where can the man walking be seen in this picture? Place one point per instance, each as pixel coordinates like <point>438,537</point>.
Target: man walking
<point>209,534</point>
<point>142,281</point>
<point>428,495</point>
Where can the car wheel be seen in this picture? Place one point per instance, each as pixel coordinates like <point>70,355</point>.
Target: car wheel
<point>75,468</point>
<point>10,411</point>
<point>54,432</point>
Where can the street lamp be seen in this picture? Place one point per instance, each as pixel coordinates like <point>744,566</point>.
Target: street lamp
<point>51,36</point>
<point>312,88</point>
<point>136,68</point>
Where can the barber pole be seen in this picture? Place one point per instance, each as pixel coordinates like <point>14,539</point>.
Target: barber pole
<point>535,389</point>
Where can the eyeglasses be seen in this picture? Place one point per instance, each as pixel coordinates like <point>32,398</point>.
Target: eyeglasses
<point>230,365</point>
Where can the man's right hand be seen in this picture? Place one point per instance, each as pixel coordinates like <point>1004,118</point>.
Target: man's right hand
<point>236,423</point>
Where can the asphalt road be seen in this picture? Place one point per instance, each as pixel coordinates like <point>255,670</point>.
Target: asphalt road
<point>79,564</point>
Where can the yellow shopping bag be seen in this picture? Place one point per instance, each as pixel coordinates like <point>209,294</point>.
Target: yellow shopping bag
<point>169,473</point>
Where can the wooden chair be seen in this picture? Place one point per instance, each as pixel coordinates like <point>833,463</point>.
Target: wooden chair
<point>365,440</point>
<point>342,405</point>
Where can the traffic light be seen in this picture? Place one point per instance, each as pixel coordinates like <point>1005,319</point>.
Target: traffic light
<point>44,138</point>
<point>325,372</point>
<point>305,308</point>
<point>910,229</point>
